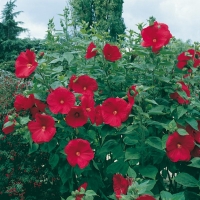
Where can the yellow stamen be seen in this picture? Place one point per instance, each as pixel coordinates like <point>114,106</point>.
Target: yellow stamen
<point>29,65</point>
<point>88,109</point>
<point>154,40</point>
<point>179,146</point>
<point>43,128</point>
<point>115,112</point>
<point>78,153</point>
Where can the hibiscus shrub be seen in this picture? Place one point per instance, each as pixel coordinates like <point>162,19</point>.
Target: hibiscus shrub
<point>118,120</point>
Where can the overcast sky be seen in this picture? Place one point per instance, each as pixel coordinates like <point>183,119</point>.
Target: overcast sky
<point>182,16</point>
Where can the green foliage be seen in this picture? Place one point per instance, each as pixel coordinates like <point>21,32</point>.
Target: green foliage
<point>137,148</point>
<point>106,14</point>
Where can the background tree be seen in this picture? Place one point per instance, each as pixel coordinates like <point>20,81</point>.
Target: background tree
<point>11,27</point>
<point>10,44</point>
<point>107,13</point>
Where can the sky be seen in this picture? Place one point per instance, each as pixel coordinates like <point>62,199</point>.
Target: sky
<point>182,16</point>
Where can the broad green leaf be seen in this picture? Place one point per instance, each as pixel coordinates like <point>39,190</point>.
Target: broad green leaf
<point>53,160</point>
<point>195,163</point>
<point>182,131</point>
<point>130,140</point>
<point>7,124</point>
<point>193,123</point>
<point>118,167</point>
<point>68,56</point>
<point>172,126</point>
<point>164,140</point>
<point>155,142</point>
<point>108,146</point>
<point>131,153</point>
<point>33,148</point>
<point>151,101</point>
<point>178,196</point>
<point>131,173</point>
<point>24,120</point>
<point>52,144</point>
<point>56,84</point>
<point>90,193</point>
<point>186,180</point>
<point>181,111</point>
<point>165,195</point>
<point>148,171</point>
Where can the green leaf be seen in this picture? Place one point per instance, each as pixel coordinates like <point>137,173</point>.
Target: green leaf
<point>186,180</point>
<point>68,56</point>
<point>148,171</point>
<point>108,146</point>
<point>70,198</point>
<point>56,84</point>
<point>165,195</point>
<point>53,160</point>
<point>193,123</point>
<point>64,173</point>
<point>90,193</point>
<point>151,101</point>
<point>172,126</point>
<point>157,110</point>
<point>33,148</point>
<point>179,196</point>
<point>195,163</point>
<point>7,124</point>
<point>131,173</point>
<point>130,140</point>
<point>118,167</point>
<point>155,142</point>
<point>24,120</point>
<point>131,154</point>
<point>52,144</point>
<point>164,140</point>
<point>181,111</point>
<point>182,131</point>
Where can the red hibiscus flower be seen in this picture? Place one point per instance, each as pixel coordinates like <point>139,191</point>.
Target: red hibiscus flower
<point>98,116</point>
<point>180,99</point>
<point>61,100</point>
<point>42,128</point>
<point>120,185</point>
<point>39,107</point>
<point>10,128</point>
<point>23,103</point>
<point>179,147</point>
<point>115,111</point>
<point>156,36</point>
<point>146,197</point>
<point>184,57</point>
<point>79,153</point>
<point>132,93</point>
<point>87,103</point>
<point>195,152</point>
<point>111,52</point>
<point>194,133</point>
<point>25,64</point>
<point>90,51</point>
<point>83,84</point>
<point>76,117</point>
<point>80,196</point>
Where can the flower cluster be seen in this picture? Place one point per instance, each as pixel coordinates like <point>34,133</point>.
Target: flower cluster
<point>110,52</point>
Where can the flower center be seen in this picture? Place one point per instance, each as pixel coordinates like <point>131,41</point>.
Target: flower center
<point>84,88</point>
<point>88,109</point>
<point>61,101</point>
<point>43,128</point>
<point>76,114</point>
<point>179,146</point>
<point>78,153</point>
<point>114,112</point>
<point>154,40</point>
<point>29,65</point>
